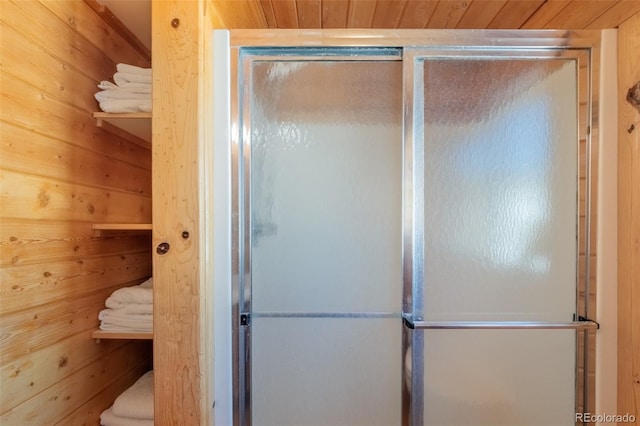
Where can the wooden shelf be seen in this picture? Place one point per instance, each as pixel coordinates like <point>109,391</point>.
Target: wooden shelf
<point>122,227</point>
<point>102,334</point>
<point>134,123</point>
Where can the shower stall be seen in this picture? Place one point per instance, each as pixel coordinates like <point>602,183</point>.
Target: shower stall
<point>411,228</point>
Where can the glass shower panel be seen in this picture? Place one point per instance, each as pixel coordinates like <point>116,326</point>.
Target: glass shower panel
<point>498,143</point>
<point>499,377</point>
<point>326,148</point>
<point>329,371</point>
<point>500,189</point>
<point>325,239</point>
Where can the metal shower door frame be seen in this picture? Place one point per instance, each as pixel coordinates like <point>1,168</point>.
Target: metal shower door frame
<point>414,44</point>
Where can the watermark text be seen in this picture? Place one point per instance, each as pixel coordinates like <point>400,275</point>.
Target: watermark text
<point>605,418</point>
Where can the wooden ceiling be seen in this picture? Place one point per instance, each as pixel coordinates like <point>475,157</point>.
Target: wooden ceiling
<point>436,14</point>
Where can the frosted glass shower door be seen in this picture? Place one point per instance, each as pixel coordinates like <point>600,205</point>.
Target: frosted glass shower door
<point>324,176</point>
<point>496,241</point>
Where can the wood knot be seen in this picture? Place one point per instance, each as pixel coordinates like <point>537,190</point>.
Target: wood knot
<point>63,361</point>
<point>633,96</point>
<point>43,198</point>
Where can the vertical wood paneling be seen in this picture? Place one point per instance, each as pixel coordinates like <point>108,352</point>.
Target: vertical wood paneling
<point>628,221</point>
<point>177,73</point>
<point>59,173</point>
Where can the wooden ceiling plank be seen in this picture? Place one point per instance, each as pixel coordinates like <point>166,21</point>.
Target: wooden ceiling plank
<point>269,14</point>
<point>216,16</point>
<point>361,13</point>
<point>579,13</point>
<point>309,13</point>
<point>255,9</point>
<point>285,13</point>
<point>480,13</point>
<point>240,14</point>
<point>615,15</point>
<point>335,13</point>
<point>417,13</point>
<point>545,13</point>
<point>448,13</point>
<point>514,14</point>
<point>509,14</point>
<point>388,13</point>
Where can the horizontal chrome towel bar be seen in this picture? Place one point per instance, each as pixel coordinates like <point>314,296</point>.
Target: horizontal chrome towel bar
<point>582,324</point>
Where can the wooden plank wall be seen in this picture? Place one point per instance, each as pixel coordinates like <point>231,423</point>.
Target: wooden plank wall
<point>628,222</point>
<point>59,174</point>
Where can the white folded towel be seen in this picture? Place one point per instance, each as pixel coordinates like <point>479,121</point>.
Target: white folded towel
<point>141,293</point>
<point>109,94</point>
<point>129,308</point>
<point>126,105</point>
<point>131,88</point>
<point>115,320</point>
<point>107,418</point>
<point>126,77</point>
<point>106,85</point>
<point>113,315</point>
<point>137,401</point>
<point>132,69</point>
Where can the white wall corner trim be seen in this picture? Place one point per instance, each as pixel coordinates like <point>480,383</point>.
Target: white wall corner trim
<point>607,259</point>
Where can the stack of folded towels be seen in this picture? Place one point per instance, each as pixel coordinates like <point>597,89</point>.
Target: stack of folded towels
<point>134,406</point>
<point>131,91</point>
<point>129,309</point>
